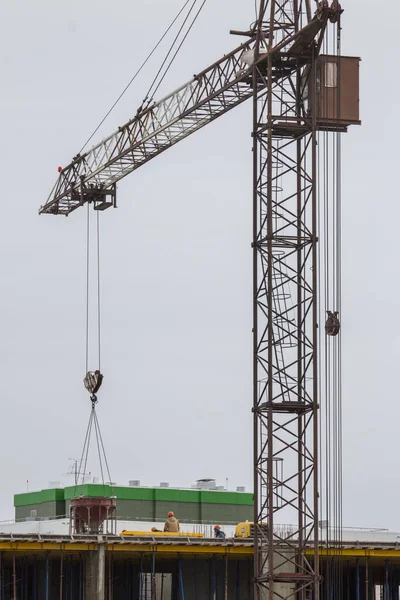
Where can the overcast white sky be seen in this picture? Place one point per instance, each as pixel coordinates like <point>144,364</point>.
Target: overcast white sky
<point>176,269</point>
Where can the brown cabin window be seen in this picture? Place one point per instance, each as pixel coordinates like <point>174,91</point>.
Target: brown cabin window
<point>331,74</point>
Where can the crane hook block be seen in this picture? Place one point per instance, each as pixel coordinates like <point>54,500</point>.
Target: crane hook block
<point>332,325</point>
<point>92,382</point>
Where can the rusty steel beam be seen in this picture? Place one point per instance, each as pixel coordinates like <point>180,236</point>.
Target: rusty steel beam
<point>285,311</point>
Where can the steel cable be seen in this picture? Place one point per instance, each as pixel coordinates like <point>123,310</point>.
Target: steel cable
<point>104,453</point>
<point>98,291</point>
<point>150,94</point>
<point>93,420</point>
<point>135,75</point>
<point>87,285</point>
<point>97,431</point>
<point>329,269</point>
<point>87,436</point>
<point>88,294</point>
<point>88,442</point>
<point>93,416</point>
<point>339,308</point>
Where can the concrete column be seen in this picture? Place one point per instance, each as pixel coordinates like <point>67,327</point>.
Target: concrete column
<point>283,563</point>
<point>96,574</point>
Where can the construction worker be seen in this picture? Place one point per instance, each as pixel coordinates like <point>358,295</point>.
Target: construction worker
<point>218,532</point>
<point>171,524</point>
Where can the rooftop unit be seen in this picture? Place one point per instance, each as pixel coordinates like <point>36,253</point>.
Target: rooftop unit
<point>205,484</point>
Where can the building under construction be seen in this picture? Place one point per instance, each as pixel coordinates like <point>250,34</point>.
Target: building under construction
<point>193,564</point>
<point>149,567</point>
<point>57,561</point>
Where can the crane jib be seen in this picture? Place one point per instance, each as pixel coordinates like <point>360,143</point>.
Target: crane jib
<point>91,177</point>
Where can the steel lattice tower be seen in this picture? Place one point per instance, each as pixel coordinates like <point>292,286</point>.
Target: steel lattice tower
<point>285,300</point>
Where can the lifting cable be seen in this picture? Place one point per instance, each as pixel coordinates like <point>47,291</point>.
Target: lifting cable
<point>93,379</point>
<point>88,269</point>
<point>98,288</point>
<point>329,192</point>
<point>338,341</point>
<point>93,420</point>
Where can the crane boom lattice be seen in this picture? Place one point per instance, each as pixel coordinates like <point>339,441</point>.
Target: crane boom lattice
<point>210,94</point>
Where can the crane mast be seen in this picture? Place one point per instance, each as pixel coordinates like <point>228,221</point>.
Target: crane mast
<point>279,67</point>
<point>285,362</point>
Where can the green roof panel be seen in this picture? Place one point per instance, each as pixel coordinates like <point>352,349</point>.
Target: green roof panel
<point>135,493</point>
<point>38,497</point>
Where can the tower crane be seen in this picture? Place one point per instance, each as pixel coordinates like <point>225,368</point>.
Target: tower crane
<point>297,92</point>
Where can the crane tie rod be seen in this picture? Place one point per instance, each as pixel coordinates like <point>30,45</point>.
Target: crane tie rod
<point>135,75</point>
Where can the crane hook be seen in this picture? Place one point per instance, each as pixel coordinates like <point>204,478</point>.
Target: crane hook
<point>92,383</point>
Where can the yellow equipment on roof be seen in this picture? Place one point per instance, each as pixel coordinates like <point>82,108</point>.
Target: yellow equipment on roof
<point>246,530</point>
<point>126,533</point>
